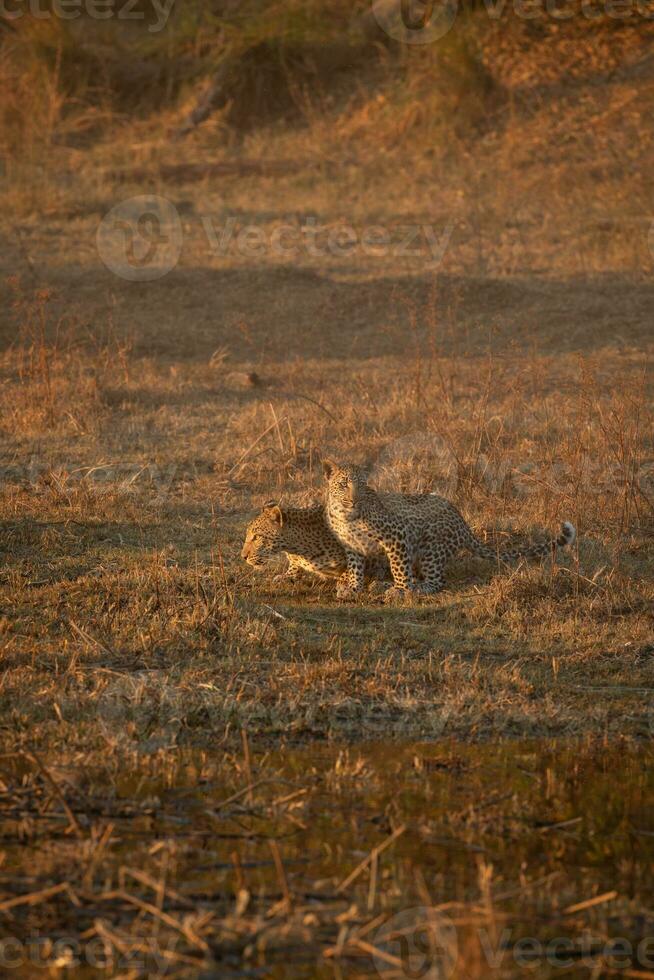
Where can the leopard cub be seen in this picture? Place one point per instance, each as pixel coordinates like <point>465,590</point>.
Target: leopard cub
<point>419,533</point>
<point>304,536</point>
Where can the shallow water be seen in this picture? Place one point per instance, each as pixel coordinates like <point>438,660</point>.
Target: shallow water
<point>502,858</point>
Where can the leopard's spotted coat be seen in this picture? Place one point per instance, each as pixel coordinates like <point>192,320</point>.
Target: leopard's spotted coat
<point>304,536</point>
<point>418,533</point>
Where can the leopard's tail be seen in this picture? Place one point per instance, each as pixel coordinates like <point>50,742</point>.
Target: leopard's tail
<point>565,539</point>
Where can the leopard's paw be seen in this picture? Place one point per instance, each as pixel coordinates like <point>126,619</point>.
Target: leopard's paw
<point>345,592</point>
<point>422,589</point>
<point>398,596</point>
<point>377,588</point>
<point>285,578</point>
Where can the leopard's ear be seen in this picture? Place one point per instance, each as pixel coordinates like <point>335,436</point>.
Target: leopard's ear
<point>274,511</point>
<point>329,467</point>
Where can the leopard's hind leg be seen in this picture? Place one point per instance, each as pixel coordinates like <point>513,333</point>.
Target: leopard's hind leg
<point>434,554</point>
<point>401,561</point>
<point>433,580</point>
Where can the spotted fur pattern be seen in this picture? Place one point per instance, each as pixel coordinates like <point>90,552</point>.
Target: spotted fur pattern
<point>304,536</point>
<point>418,533</point>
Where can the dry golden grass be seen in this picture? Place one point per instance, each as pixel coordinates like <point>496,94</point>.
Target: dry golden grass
<point>514,377</point>
<point>128,487</point>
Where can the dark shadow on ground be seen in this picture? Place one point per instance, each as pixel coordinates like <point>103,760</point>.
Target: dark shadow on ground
<point>278,314</point>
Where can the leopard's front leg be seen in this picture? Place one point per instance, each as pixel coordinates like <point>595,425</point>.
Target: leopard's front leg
<point>352,582</point>
<point>401,561</point>
<point>291,573</point>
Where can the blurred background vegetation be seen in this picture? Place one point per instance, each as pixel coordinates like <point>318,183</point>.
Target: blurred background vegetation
<point>255,62</point>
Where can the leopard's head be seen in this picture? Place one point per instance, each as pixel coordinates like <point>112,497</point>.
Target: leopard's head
<point>264,537</point>
<point>345,483</point>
